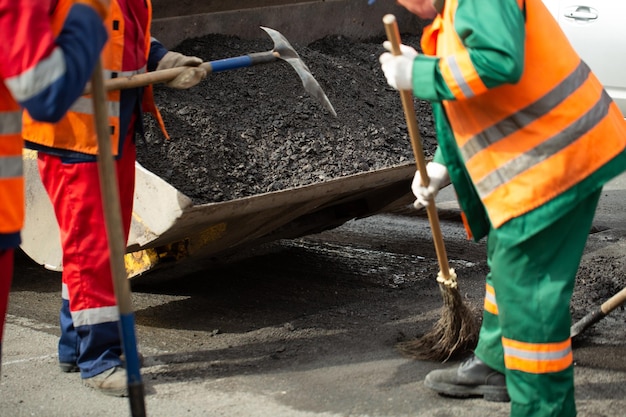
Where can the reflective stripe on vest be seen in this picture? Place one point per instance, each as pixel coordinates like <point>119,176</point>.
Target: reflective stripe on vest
<point>457,69</point>
<point>537,358</point>
<point>76,130</point>
<point>526,143</point>
<point>84,104</point>
<point>11,164</point>
<point>11,122</point>
<point>11,167</point>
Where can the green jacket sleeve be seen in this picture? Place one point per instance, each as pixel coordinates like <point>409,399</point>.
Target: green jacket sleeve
<point>493,32</point>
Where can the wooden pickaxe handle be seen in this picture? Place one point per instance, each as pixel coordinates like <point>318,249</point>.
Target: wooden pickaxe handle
<point>282,50</point>
<point>164,76</point>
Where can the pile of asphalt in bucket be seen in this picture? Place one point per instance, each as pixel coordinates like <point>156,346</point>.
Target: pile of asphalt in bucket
<point>254,130</point>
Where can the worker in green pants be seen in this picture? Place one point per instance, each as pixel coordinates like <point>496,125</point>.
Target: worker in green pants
<point>528,277</point>
<point>527,136</point>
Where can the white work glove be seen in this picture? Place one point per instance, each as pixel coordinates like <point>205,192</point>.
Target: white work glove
<point>439,178</point>
<point>190,76</point>
<point>398,69</point>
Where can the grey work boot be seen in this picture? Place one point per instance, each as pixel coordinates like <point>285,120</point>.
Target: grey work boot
<point>110,382</point>
<point>472,378</point>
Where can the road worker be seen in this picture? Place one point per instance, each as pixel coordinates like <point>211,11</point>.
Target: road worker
<point>90,340</point>
<point>528,137</point>
<point>44,75</point>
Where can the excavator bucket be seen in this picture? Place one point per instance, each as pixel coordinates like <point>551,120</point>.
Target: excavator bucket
<point>167,227</point>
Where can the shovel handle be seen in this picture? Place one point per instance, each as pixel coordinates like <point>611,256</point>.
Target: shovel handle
<point>117,244</point>
<point>614,302</point>
<point>167,75</point>
<point>598,313</point>
<point>393,35</point>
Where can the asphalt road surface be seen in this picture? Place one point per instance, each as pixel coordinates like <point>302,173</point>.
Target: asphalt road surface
<point>303,327</point>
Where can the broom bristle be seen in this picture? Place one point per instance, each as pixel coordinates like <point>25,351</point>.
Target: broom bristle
<point>453,335</point>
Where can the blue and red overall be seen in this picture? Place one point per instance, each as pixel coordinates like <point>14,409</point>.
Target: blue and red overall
<point>68,166</point>
<point>43,74</point>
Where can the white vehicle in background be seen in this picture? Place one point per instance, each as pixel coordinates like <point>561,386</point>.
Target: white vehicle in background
<point>597,31</point>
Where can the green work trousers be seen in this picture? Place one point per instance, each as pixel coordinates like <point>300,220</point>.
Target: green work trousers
<point>533,281</point>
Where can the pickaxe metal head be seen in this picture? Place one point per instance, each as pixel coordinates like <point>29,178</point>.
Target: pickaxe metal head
<point>287,53</point>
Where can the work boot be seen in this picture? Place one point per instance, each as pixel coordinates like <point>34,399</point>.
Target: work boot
<point>68,367</point>
<point>112,382</point>
<point>472,378</point>
<point>73,367</point>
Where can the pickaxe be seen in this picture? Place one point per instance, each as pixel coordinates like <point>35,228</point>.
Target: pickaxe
<point>282,50</point>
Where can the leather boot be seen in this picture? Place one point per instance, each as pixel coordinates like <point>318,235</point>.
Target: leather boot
<point>113,382</point>
<point>472,378</point>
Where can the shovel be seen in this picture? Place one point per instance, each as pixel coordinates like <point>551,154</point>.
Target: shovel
<point>117,245</point>
<point>282,50</point>
<point>598,314</point>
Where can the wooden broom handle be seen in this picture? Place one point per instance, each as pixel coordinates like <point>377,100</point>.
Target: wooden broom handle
<point>393,35</point>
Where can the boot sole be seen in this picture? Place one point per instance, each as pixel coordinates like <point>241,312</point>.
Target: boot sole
<point>68,367</point>
<point>488,392</point>
<point>122,392</point>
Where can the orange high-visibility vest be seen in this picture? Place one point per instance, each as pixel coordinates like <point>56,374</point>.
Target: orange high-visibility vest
<point>525,143</point>
<point>11,167</point>
<point>76,131</point>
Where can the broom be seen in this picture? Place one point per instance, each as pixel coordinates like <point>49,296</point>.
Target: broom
<point>457,329</point>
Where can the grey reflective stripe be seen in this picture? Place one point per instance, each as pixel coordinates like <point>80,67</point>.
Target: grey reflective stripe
<point>11,122</point>
<point>97,315</point>
<point>84,105</point>
<point>108,74</point>
<point>546,149</point>
<point>41,76</point>
<point>527,115</point>
<point>490,298</point>
<point>11,167</point>
<point>537,356</point>
<point>65,292</point>
<point>458,77</point>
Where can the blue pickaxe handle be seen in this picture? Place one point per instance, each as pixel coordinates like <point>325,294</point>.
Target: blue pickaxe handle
<point>240,61</point>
